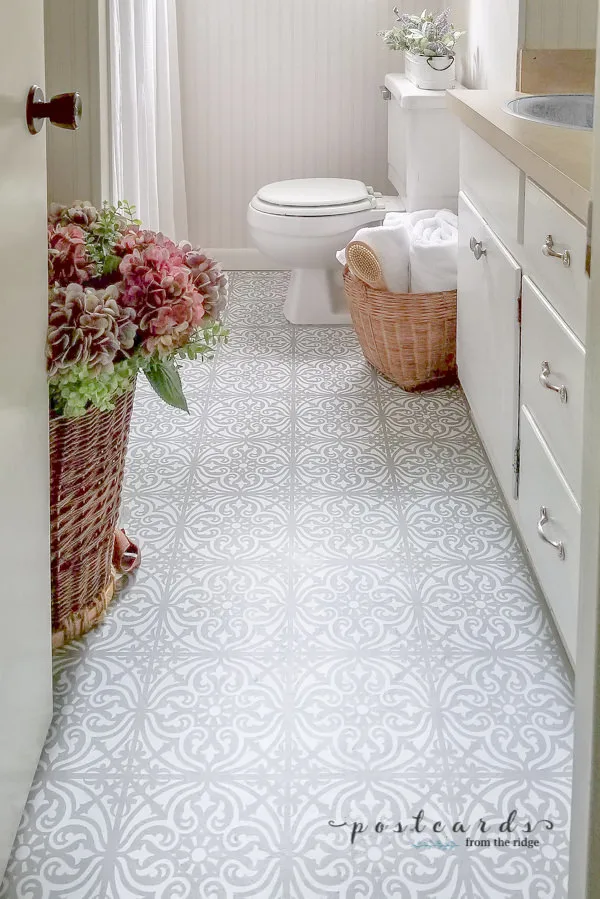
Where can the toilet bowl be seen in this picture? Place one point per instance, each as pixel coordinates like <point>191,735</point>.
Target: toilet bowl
<point>301,225</point>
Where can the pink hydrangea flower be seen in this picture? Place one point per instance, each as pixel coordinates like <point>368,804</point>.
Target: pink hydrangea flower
<point>135,238</point>
<point>83,326</point>
<point>68,257</point>
<point>159,287</point>
<point>208,279</point>
<point>150,299</point>
<point>81,213</point>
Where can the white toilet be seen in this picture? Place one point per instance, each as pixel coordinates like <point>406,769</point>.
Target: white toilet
<point>301,224</point>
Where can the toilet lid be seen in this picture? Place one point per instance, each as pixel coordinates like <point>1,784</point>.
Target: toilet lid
<point>314,196</point>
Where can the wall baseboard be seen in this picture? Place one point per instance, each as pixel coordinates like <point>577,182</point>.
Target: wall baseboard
<point>243,259</point>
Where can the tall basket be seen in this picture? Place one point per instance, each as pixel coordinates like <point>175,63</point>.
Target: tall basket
<point>87,460</point>
<point>408,337</point>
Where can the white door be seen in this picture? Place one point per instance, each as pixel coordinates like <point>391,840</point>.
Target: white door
<point>489,286</point>
<point>25,632</point>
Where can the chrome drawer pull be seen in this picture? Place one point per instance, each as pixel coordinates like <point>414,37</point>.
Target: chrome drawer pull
<point>548,250</point>
<point>477,248</point>
<point>545,382</point>
<point>558,545</point>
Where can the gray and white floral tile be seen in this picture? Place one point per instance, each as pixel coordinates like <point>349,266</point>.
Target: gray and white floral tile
<point>499,871</point>
<point>334,634</point>
<point>205,837</point>
<point>65,841</point>
<point>241,607</point>
<point>369,715</point>
<point>97,698</point>
<point>219,713</point>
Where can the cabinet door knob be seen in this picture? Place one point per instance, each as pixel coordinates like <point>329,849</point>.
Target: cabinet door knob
<point>477,248</point>
<point>64,110</point>
<point>548,250</point>
<point>558,545</point>
<point>545,382</point>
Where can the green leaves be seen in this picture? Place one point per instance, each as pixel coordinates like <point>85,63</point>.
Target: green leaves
<point>105,233</point>
<point>430,34</point>
<point>204,343</point>
<point>163,374</point>
<point>111,264</point>
<point>127,211</point>
<point>165,380</point>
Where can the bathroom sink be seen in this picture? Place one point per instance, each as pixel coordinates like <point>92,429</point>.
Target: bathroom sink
<point>565,110</point>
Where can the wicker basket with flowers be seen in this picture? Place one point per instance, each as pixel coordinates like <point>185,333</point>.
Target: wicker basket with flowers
<point>122,300</point>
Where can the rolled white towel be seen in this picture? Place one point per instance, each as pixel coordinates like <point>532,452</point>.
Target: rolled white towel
<point>396,220</point>
<point>391,245</point>
<point>341,256</point>
<point>434,252</point>
<point>392,220</point>
<point>407,219</point>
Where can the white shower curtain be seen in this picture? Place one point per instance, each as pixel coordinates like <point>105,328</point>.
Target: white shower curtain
<point>146,114</point>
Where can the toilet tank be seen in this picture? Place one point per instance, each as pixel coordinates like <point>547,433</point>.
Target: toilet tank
<point>422,146</point>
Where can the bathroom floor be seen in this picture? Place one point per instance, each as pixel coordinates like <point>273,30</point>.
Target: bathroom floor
<point>333,625</point>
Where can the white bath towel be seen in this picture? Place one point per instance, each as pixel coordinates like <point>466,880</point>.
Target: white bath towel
<point>392,248</point>
<point>391,245</point>
<point>434,252</point>
<point>407,219</point>
<point>392,220</point>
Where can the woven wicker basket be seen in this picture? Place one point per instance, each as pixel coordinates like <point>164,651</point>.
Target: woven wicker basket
<point>408,337</point>
<point>87,458</point>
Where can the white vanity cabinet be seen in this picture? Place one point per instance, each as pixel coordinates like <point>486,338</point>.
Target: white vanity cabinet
<point>489,286</point>
<point>522,302</point>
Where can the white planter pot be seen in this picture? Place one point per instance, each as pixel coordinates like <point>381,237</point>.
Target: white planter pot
<point>431,73</point>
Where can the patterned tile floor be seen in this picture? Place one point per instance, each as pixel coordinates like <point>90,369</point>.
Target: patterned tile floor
<point>334,622</point>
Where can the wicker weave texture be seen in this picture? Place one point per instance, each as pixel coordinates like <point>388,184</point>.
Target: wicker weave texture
<point>410,338</point>
<point>87,458</point>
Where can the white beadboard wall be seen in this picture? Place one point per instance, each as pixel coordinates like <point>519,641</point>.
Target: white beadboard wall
<point>561,24</point>
<point>276,89</point>
<point>487,54</point>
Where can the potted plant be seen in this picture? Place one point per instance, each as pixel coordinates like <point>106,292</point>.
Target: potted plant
<point>428,43</point>
<point>122,300</point>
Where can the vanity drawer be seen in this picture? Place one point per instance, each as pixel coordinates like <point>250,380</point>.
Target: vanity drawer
<point>544,488</point>
<point>562,280</point>
<point>493,184</point>
<point>558,414</point>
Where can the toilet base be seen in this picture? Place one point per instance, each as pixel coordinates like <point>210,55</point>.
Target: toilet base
<point>316,297</point>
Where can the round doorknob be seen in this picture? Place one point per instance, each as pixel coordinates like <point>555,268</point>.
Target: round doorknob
<point>64,110</point>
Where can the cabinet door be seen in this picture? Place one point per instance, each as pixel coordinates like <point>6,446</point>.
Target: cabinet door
<point>489,287</point>
<point>550,522</point>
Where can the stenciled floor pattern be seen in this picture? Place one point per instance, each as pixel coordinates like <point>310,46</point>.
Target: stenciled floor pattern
<point>333,622</point>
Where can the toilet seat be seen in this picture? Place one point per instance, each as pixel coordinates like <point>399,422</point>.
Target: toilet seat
<point>312,226</point>
<point>315,197</point>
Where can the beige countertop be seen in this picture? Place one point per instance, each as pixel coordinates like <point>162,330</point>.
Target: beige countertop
<point>558,159</point>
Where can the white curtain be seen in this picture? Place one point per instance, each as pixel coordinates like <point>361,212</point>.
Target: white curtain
<point>146,114</point>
